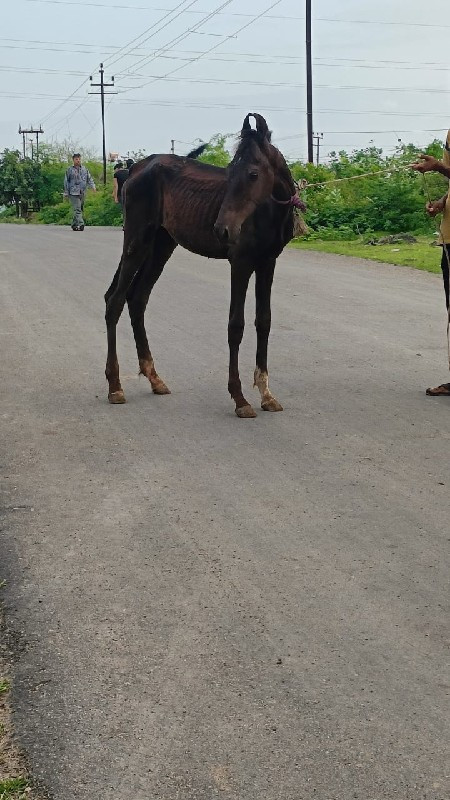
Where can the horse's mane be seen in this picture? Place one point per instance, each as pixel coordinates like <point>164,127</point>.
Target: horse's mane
<point>260,137</point>
<point>248,138</point>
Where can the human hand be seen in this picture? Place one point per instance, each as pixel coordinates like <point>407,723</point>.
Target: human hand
<point>435,208</point>
<point>426,164</point>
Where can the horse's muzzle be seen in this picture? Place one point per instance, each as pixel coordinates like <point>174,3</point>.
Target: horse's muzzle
<point>225,235</point>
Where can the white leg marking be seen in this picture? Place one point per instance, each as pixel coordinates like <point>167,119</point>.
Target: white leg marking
<point>268,401</point>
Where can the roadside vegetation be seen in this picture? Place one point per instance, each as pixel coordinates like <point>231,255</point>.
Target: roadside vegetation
<point>15,781</point>
<point>421,254</point>
<point>344,216</point>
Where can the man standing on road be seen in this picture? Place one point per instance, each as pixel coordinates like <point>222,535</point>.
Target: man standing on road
<point>76,181</point>
<point>442,206</point>
<point>120,176</point>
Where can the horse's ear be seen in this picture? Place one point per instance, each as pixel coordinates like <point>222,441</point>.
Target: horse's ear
<point>261,126</point>
<point>246,124</point>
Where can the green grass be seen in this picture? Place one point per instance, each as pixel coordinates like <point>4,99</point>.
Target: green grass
<point>419,255</point>
<point>4,685</point>
<point>13,789</point>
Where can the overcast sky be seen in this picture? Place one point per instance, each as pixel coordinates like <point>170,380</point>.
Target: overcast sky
<point>380,71</point>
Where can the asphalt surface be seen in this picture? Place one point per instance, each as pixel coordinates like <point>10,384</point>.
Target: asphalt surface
<point>204,606</point>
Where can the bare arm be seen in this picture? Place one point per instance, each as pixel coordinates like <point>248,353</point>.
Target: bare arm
<point>437,206</point>
<point>431,164</point>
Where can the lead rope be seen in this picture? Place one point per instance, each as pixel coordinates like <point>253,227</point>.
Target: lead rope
<point>444,245</point>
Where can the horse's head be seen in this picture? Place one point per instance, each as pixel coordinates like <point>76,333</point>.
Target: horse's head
<point>251,178</point>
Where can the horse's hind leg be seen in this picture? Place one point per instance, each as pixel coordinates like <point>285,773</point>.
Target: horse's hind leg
<point>137,300</point>
<point>263,288</point>
<point>115,300</point>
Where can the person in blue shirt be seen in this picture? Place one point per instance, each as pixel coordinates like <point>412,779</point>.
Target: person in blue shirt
<point>77,179</point>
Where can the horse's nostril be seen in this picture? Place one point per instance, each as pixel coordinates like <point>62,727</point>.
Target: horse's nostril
<point>222,233</point>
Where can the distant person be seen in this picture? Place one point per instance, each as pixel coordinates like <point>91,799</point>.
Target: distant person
<point>115,193</point>
<point>120,176</point>
<point>442,206</point>
<point>77,179</point>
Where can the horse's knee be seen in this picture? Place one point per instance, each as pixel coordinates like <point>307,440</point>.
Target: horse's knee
<point>113,310</point>
<point>263,322</point>
<point>235,332</point>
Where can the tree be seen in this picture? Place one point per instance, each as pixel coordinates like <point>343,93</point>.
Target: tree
<point>216,153</point>
<point>20,181</point>
<point>62,151</point>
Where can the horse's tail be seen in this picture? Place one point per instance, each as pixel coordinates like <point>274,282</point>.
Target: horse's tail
<point>198,151</point>
<point>114,283</point>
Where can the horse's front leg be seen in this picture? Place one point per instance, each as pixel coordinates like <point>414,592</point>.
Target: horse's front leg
<point>240,276</point>
<point>263,289</point>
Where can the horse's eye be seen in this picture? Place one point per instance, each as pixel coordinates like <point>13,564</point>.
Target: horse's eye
<point>253,176</point>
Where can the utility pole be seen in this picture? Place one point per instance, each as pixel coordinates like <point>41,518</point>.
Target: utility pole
<point>309,113</point>
<point>172,146</point>
<point>36,132</point>
<point>318,137</point>
<point>102,93</point>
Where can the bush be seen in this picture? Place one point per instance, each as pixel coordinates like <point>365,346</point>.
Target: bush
<point>343,233</point>
<point>60,214</point>
<point>99,209</point>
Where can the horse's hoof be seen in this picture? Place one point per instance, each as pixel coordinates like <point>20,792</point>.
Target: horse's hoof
<point>159,387</point>
<point>116,398</point>
<point>245,412</point>
<point>271,405</point>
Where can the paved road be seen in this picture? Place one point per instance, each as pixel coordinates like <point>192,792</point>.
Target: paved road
<point>205,606</point>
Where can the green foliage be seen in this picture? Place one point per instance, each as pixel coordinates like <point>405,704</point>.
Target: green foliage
<point>20,179</point>
<point>59,214</point>
<point>62,151</point>
<point>100,208</point>
<point>216,153</point>
<point>13,789</point>
<point>392,202</point>
<point>418,255</point>
<point>343,233</point>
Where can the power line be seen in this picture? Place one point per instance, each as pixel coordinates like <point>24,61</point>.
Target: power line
<point>151,28</point>
<point>243,27</point>
<point>266,84</point>
<point>237,57</point>
<point>269,84</point>
<point>226,59</point>
<point>118,57</point>
<point>147,101</point>
<point>238,14</point>
<point>358,133</point>
<point>54,111</point>
<point>183,36</point>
